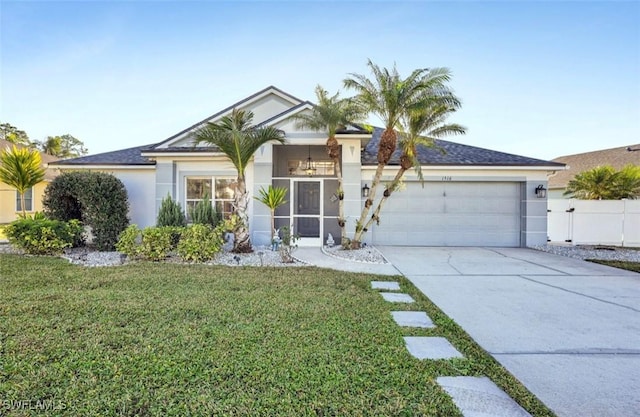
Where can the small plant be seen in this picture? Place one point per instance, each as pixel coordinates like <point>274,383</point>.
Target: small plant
<point>200,243</point>
<point>288,245</point>
<point>150,243</point>
<point>129,241</point>
<point>203,213</point>
<point>272,197</point>
<point>43,236</point>
<point>171,213</point>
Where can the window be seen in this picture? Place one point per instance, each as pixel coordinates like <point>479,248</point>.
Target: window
<point>28,200</point>
<point>222,195</point>
<point>322,168</point>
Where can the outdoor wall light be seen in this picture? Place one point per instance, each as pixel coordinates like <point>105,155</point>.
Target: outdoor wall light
<point>541,192</point>
<point>365,191</point>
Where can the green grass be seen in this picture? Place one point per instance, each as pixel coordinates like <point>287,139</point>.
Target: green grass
<point>629,266</point>
<point>166,339</point>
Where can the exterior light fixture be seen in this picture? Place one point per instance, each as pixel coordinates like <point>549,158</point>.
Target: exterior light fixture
<point>310,167</point>
<point>541,192</point>
<point>365,191</point>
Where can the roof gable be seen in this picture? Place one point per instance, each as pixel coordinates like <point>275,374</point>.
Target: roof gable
<point>265,104</point>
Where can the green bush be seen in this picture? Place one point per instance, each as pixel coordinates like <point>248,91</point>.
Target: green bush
<point>200,243</point>
<point>97,198</point>
<point>42,236</point>
<point>170,213</point>
<point>203,213</point>
<point>150,243</point>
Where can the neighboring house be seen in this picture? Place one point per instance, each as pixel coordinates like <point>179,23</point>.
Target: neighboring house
<point>471,196</point>
<point>616,157</point>
<point>9,197</point>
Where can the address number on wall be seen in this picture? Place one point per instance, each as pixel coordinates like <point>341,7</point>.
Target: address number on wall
<point>446,178</point>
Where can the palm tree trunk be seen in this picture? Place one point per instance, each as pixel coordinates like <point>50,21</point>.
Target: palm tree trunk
<point>242,239</point>
<point>333,150</point>
<point>376,213</point>
<point>273,224</point>
<point>24,212</point>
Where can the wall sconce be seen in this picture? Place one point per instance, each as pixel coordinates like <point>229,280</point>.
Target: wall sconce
<point>541,192</point>
<point>365,191</point>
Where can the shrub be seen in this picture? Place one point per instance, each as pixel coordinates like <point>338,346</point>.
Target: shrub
<point>200,243</point>
<point>170,213</point>
<point>203,213</point>
<point>42,236</point>
<point>150,243</point>
<point>98,199</point>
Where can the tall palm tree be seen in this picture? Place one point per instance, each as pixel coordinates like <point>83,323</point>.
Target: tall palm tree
<point>331,114</point>
<point>391,97</point>
<point>21,168</point>
<point>238,139</point>
<point>420,128</point>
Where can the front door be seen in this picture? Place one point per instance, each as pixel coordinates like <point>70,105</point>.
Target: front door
<point>307,211</point>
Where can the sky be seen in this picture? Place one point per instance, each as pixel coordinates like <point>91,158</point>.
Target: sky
<point>540,79</point>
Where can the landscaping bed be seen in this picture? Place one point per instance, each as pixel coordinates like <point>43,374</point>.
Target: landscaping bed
<point>167,339</point>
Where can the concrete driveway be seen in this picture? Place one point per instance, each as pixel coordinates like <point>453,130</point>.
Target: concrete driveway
<point>568,329</point>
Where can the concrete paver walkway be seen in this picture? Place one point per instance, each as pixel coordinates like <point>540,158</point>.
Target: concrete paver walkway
<point>568,329</point>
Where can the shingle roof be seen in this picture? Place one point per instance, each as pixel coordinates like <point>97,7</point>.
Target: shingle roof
<point>129,156</point>
<point>577,163</point>
<point>47,159</point>
<point>454,154</point>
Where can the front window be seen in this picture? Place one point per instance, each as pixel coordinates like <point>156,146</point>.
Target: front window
<point>28,200</point>
<point>219,190</point>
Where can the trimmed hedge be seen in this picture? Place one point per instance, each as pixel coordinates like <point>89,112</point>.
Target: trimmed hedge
<point>97,199</point>
<point>42,236</point>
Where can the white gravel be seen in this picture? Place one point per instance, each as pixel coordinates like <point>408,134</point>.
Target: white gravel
<point>367,254</point>
<point>608,253</point>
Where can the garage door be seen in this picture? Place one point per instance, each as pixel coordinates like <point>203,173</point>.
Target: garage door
<point>451,214</point>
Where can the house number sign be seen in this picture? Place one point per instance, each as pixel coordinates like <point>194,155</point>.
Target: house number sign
<point>446,178</point>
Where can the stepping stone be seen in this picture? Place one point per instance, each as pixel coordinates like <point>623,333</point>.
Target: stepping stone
<point>397,297</point>
<point>479,396</point>
<point>385,285</point>
<point>412,319</point>
<point>421,347</point>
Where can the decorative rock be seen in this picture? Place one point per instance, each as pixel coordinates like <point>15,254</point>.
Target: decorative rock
<point>412,319</point>
<point>479,396</point>
<point>421,347</point>
<point>385,285</point>
<point>397,297</point>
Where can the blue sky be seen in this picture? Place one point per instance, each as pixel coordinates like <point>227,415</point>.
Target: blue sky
<point>541,79</point>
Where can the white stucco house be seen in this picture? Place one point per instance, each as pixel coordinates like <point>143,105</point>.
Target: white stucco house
<point>471,196</point>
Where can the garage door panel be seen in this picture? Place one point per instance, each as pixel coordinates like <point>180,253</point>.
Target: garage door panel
<point>452,214</point>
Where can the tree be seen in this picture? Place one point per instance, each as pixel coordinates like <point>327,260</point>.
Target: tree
<point>21,168</point>
<point>238,139</point>
<point>331,114</point>
<point>420,128</point>
<point>14,135</point>
<point>391,97</point>
<point>272,197</point>
<point>65,146</point>
<point>605,183</point>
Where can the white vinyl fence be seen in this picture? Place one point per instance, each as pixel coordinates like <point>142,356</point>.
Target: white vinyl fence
<point>594,222</point>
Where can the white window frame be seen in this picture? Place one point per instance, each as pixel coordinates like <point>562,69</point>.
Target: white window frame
<point>212,197</point>
<point>28,200</point>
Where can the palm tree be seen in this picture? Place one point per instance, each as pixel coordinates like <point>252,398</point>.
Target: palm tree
<point>605,183</point>
<point>238,139</point>
<point>21,169</point>
<point>390,97</point>
<point>420,128</point>
<point>331,114</point>
<point>272,197</point>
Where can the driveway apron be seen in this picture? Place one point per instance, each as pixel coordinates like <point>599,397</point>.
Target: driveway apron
<point>568,329</point>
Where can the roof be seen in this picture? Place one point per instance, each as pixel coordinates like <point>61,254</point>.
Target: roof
<point>454,154</point>
<point>577,163</point>
<point>46,158</point>
<point>129,156</point>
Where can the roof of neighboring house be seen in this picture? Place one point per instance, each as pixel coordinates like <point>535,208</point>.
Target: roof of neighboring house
<point>454,154</point>
<point>616,157</point>
<point>47,159</point>
<point>129,156</point>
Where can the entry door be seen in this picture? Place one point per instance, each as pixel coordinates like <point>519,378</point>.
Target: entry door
<point>307,211</point>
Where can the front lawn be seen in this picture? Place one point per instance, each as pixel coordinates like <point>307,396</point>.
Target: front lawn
<point>166,339</point>
<point>628,265</point>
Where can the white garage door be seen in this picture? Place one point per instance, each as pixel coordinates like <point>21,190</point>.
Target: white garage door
<point>451,214</point>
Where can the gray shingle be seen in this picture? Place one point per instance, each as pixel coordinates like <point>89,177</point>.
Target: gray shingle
<point>455,154</point>
<point>129,156</point>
